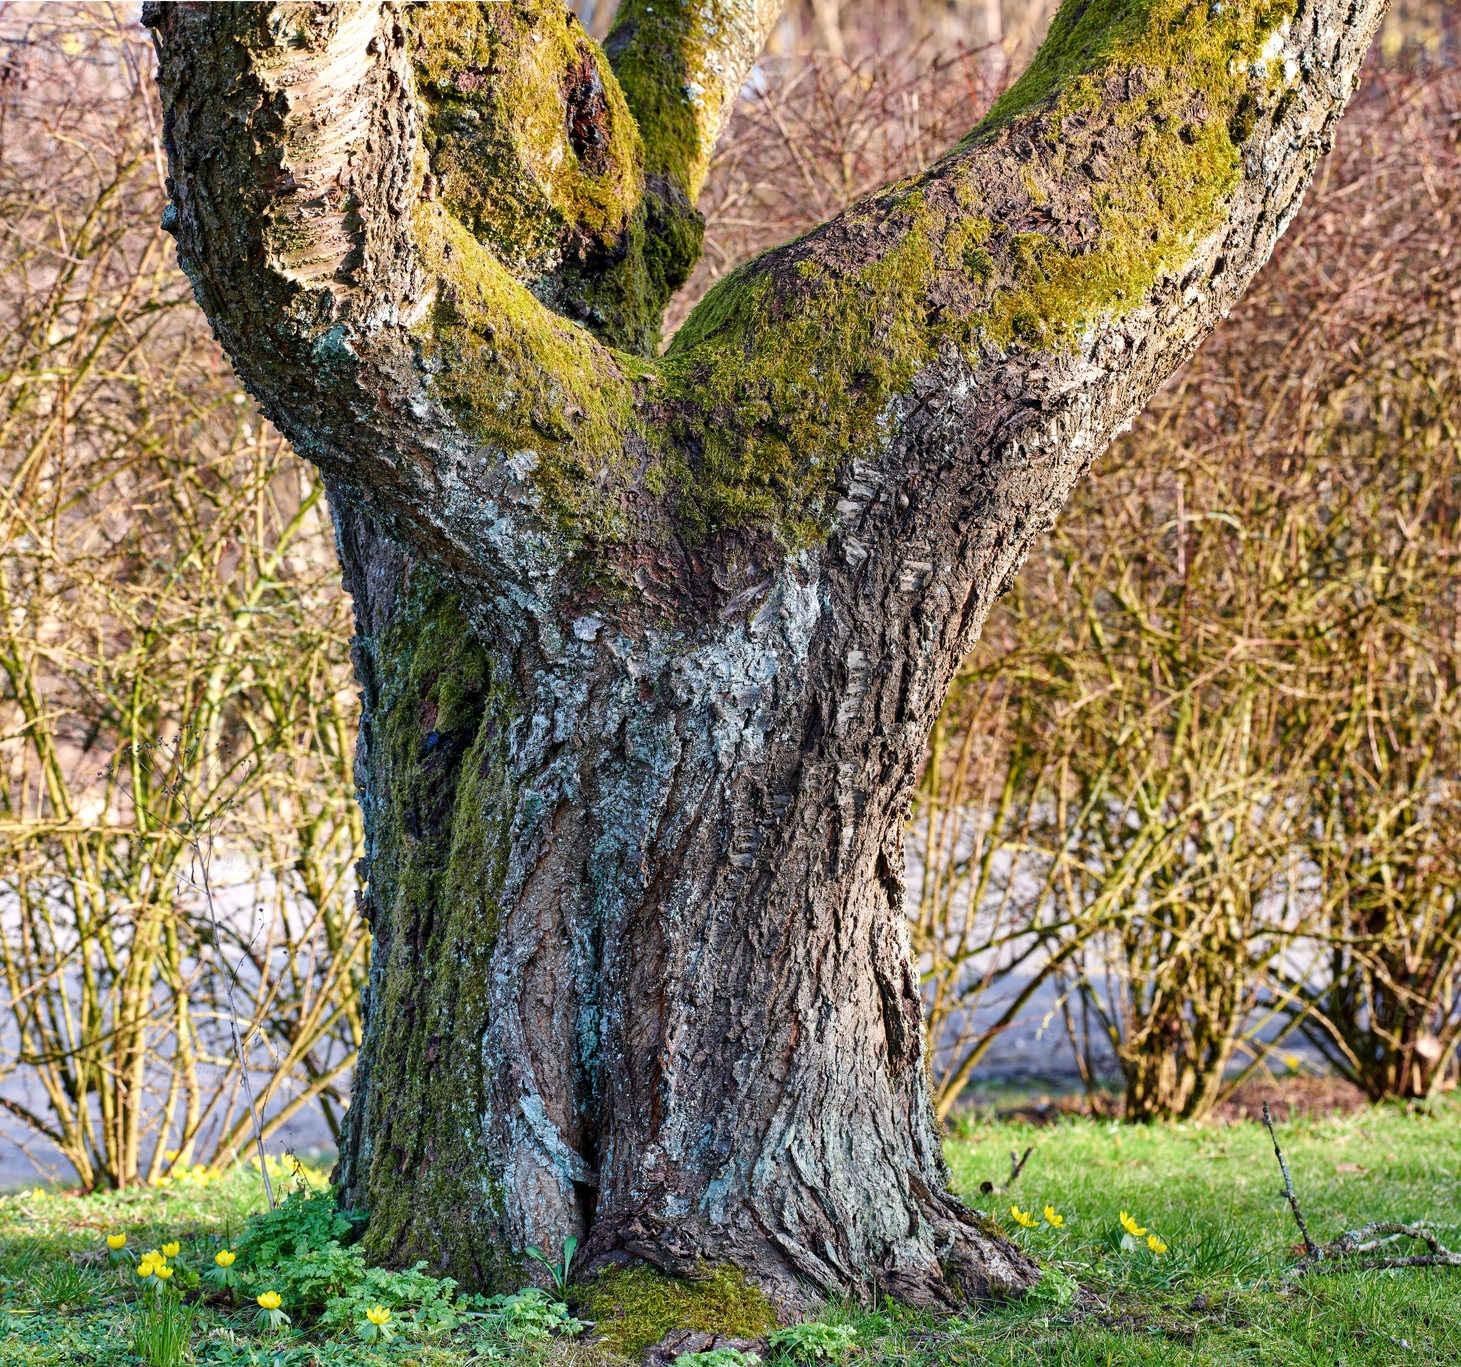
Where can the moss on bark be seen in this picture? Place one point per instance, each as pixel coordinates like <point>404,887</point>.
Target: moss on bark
<point>527,134</point>
<point>794,358</point>
<point>439,807</point>
<point>789,366</point>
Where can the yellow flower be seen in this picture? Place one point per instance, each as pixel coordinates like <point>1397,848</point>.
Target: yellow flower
<point>172,1250</point>
<point>38,1195</point>
<point>269,1300</point>
<point>1028,1221</point>
<point>1155,1244</point>
<point>224,1258</point>
<point>116,1241</point>
<point>163,1271</point>
<point>1051,1218</point>
<point>1130,1226</point>
<point>146,1267</point>
<point>376,1315</point>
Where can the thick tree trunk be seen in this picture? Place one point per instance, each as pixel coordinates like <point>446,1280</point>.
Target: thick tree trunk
<point>640,972</point>
<point>650,649</point>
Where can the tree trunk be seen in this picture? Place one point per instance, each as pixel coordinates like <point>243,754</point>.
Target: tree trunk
<point>650,648</point>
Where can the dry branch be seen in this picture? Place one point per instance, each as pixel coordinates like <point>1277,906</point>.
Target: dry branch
<point>1345,1254</point>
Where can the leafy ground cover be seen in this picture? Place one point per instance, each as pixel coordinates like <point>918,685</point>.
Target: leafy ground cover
<point>1193,1276</point>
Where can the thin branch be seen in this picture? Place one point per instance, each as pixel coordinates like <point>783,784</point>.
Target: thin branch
<point>1311,1249</point>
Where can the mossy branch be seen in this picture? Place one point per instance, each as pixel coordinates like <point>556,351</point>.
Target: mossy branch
<point>1088,234</point>
<point>682,63</point>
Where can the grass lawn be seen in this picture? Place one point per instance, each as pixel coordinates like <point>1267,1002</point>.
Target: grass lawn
<point>1215,1296</point>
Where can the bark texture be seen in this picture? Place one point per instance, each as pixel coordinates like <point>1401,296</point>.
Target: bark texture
<point>650,648</point>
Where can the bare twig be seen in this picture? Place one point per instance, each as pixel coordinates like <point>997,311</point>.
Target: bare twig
<point>1345,1254</point>
<point>1310,1247</point>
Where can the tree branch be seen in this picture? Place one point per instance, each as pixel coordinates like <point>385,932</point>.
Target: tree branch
<point>682,63</point>
<point>934,366</point>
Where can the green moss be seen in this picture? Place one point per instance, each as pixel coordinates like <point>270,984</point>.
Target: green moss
<point>637,1306</point>
<point>782,391</point>
<point>665,72</point>
<point>437,733</point>
<point>523,378</point>
<point>1181,46</point>
<point>1244,119</point>
<point>494,82</point>
<point>1192,99</point>
<point>623,300</point>
<point>787,368</point>
<point>786,378</point>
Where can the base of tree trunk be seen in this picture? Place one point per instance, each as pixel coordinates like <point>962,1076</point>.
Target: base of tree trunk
<point>586,1020</point>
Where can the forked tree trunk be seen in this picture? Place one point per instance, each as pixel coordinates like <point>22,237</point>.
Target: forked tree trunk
<point>650,649</point>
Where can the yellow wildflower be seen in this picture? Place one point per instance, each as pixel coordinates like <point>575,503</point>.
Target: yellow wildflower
<point>146,1267</point>
<point>163,1271</point>
<point>224,1258</point>
<point>1131,1227</point>
<point>1028,1221</point>
<point>172,1250</point>
<point>38,1195</point>
<point>1155,1244</point>
<point>376,1315</point>
<point>116,1241</point>
<point>1052,1219</point>
<point>269,1300</point>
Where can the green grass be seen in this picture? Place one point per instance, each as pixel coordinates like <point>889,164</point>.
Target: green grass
<point>1216,1297</point>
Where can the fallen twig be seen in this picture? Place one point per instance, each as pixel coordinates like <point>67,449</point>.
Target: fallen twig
<point>1310,1247</point>
<point>1346,1253</point>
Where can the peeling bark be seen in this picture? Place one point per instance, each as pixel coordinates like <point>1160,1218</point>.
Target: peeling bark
<point>650,649</point>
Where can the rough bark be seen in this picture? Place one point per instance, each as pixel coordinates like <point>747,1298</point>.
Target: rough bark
<point>635,851</point>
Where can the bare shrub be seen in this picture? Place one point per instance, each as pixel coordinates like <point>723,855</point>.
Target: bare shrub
<point>1236,664</point>
<point>169,567</point>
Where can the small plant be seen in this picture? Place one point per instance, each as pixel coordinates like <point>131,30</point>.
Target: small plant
<point>63,1284</point>
<point>160,1332</point>
<point>222,1270</point>
<point>429,1299</point>
<point>1134,1234</point>
<point>302,1220</point>
<point>270,1318</point>
<point>530,1314</point>
<point>559,1272</point>
<point>376,1325</point>
<point>814,1341</point>
<point>719,1357</point>
<point>1053,1288</point>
